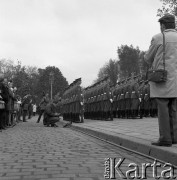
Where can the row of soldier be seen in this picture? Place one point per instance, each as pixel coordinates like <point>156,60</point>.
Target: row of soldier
<point>129,98</point>
<point>72,102</point>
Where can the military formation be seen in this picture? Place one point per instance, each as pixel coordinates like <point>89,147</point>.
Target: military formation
<point>98,101</point>
<point>129,98</point>
<point>72,102</point>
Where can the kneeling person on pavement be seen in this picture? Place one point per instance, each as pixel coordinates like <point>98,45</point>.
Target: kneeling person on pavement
<point>50,115</point>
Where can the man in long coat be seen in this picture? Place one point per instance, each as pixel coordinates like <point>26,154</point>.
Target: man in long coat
<point>166,92</point>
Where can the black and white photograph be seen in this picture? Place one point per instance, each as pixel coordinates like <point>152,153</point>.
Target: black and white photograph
<point>88,89</point>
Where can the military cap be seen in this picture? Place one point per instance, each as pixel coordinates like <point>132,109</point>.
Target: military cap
<point>167,18</point>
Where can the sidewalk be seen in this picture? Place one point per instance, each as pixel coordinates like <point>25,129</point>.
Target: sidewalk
<point>135,134</point>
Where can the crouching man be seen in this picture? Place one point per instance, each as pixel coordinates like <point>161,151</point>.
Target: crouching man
<point>50,115</point>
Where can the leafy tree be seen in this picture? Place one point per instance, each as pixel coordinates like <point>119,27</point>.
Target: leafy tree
<point>129,60</point>
<point>7,67</point>
<point>110,69</point>
<point>142,64</point>
<point>168,6</point>
<point>25,80</point>
<point>59,83</point>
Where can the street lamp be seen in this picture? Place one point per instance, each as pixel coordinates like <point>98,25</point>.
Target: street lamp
<point>51,78</point>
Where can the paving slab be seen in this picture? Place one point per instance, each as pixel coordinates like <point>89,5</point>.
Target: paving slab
<point>134,134</point>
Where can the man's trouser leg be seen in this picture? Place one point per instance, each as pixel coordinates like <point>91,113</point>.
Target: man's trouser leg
<point>164,119</point>
<point>40,114</point>
<point>4,119</point>
<point>173,119</point>
<point>24,115</point>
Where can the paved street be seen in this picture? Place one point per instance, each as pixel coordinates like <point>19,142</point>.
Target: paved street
<point>30,151</point>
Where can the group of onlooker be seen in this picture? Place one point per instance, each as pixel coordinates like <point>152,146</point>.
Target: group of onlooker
<point>12,106</point>
<point>8,104</point>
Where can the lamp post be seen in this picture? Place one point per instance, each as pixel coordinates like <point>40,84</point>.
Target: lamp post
<point>51,78</point>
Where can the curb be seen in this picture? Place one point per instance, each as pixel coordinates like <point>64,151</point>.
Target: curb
<point>135,144</point>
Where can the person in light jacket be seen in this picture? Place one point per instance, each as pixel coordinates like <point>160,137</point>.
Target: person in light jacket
<point>165,92</point>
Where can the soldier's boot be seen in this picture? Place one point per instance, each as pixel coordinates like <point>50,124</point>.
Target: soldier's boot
<point>77,117</point>
<point>133,114</point>
<point>123,114</point>
<point>156,112</point>
<point>105,116</point>
<point>108,116</point>
<point>95,115</point>
<point>147,113</point>
<point>118,113</point>
<point>129,113</point>
<point>126,114</point>
<point>142,113</point>
<point>136,113</point>
<point>115,116</point>
<point>98,115</point>
<point>88,115</point>
<point>151,112</point>
<point>81,118</point>
<point>111,116</point>
<point>72,118</point>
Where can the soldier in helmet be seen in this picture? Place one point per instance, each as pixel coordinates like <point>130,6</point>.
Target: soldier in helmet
<point>146,91</point>
<point>141,98</point>
<point>135,98</point>
<point>128,90</point>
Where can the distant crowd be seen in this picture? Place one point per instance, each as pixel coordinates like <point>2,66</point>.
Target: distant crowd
<point>12,106</point>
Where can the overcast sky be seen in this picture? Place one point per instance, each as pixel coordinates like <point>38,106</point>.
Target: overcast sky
<point>77,36</point>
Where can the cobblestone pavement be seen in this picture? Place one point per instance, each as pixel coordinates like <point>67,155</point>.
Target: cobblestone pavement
<point>30,151</point>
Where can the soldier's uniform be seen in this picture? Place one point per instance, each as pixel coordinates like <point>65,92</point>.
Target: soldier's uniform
<point>135,99</point>
<point>122,99</point>
<point>114,104</point>
<point>146,91</point>
<point>128,99</point>
<point>141,98</point>
<point>118,100</point>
